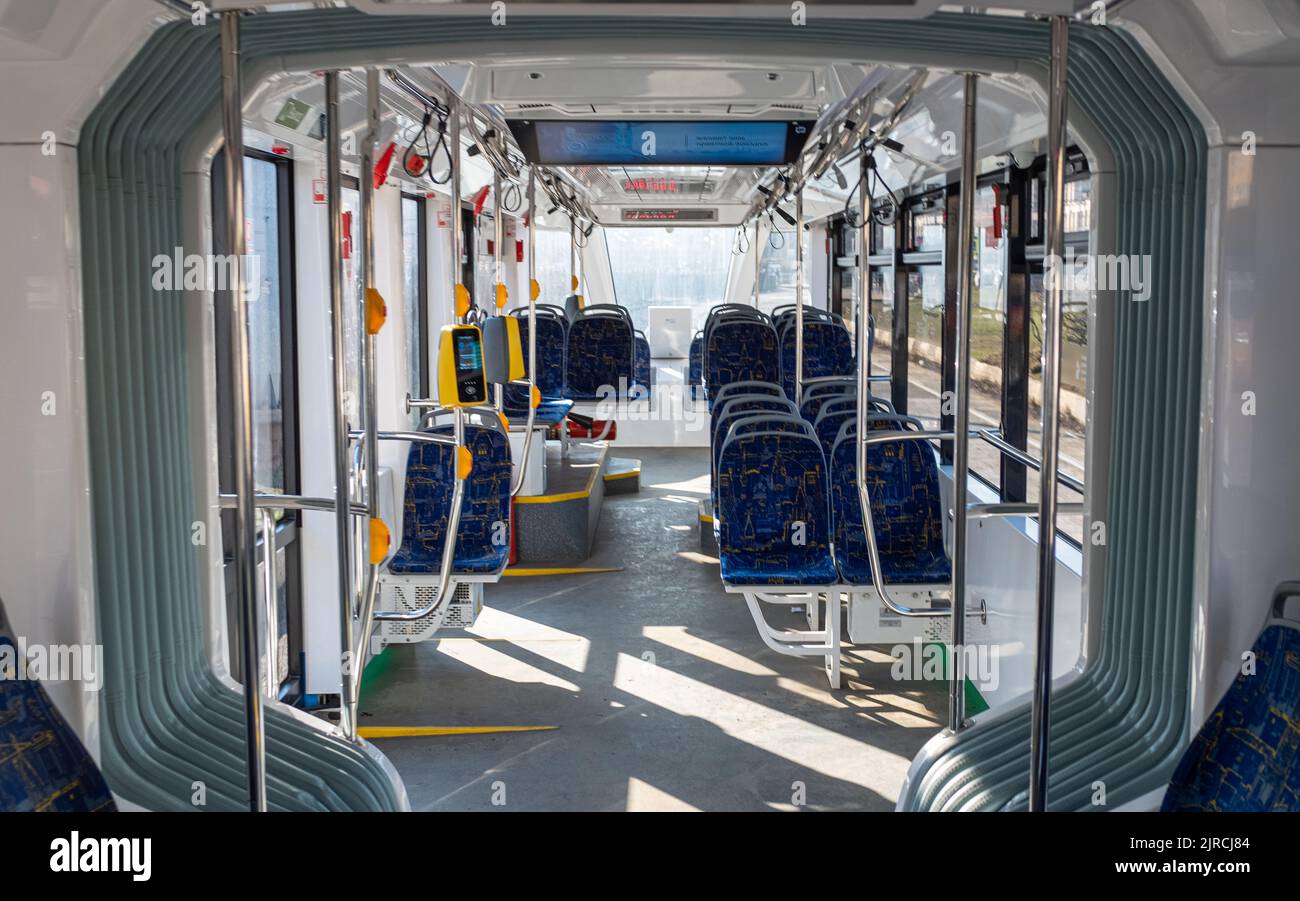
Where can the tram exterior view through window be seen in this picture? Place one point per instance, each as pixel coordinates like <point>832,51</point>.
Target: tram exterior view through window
<point>419,406</point>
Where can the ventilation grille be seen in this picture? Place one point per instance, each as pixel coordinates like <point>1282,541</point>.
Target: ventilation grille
<point>411,594</point>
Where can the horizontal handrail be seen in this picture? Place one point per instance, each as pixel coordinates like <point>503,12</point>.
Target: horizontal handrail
<point>994,438</point>
<point>978,511</point>
<point>293,502</point>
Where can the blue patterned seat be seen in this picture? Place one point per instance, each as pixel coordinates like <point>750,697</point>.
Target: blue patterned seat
<point>832,415</point>
<point>43,765</point>
<point>903,482</point>
<point>731,410</point>
<point>641,374</point>
<point>739,350</point>
<point>482,546</point>
<point>552,332</point>
<point>827,350</point>
<point>600,354</point>
<point>771,494</point>
<point>1246,756</point>
<point>695,366</point>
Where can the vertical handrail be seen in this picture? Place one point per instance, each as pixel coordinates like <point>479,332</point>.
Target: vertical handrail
<point>758,260</point>
<point>498,280</point>
<point>532,333</point>
<point>798,299</point>
<point>961,440</point>
<point>342,468</point>
<point>241,400</point>
<point>453,155</point>
<point>370,590</point>
<point>1047,508</point>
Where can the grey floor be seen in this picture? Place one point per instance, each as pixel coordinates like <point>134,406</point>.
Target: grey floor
<point>663,694</point>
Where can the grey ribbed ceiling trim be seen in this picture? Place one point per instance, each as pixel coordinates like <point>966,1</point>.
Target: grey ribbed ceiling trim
<point>169,721</point>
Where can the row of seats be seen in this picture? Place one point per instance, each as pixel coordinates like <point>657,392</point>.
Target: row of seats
<point>577,357</point>
<point>740,343</point>
<point>786,495</point>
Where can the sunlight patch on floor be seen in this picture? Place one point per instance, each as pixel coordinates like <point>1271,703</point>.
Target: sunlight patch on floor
<point>791,738</point>
<point>678,638</point>
<point>556,645</point>
<point>642,796</point>
<point>491,662</point>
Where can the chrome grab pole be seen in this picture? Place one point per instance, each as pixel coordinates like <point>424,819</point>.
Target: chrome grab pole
<point>758,260</point>
<point>498,233</point>
<point>342,469</point>
<point>368,345</point>
<point>532,332</point>
<point>1047,509</point>
<point>798,299</point>
<point>453,154</point>
<point>241,399</point>
<point>573,255</point>
<point>961,428</point>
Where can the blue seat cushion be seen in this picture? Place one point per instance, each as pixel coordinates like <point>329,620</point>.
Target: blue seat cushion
<point>772,511</point>
<point>903,481</point>
<point>43,765</point>
<point>827,350</point>
<point>483,542</point>
<point>551,339</point>
<point>1247,755</point>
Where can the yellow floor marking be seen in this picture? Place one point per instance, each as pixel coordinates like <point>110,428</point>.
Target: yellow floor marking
<point>410,731</point>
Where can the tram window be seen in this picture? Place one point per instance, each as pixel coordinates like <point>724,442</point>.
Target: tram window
<point>926,226</point>
<point>485,270</point>
<point>882,238</point>
<point>1078,205</point>
<point>671,267</point>
<point>415,288</point>
<point>1074,392</point>
<point>554,266</point>
<point>778,271</point>
<point>882,310</point>
<point>988,328</point>
<point>925,340</point>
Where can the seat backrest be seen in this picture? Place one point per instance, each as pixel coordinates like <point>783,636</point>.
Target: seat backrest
<point>641,374</point>
<point>552,336</point>
<point>1245,756</point>
<point>482,537</point>
<point>827,351</point>
<point>773,513</point>
<point>43,764</point>
<point>744,404</point>
<point>739,350</point>
<point>903,483</point>
<point>695,364</point>
<point>600,352</point>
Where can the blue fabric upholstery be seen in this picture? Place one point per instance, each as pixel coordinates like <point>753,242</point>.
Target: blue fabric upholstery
<point>641,376</point>
<point>552,334</point>
<point>695,365</point>
<point>600,354</point>
<point>427,503</point>
<point>811,406</point>
<point>828,422</point>
<point>903,481</point>
<point>769,483</point>
<point>827,350</point>
<point>738,350</point>
<point>43,765</point>
<point>1247,755</point>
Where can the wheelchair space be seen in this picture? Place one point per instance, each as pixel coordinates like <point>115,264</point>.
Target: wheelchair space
<point>716,722</point>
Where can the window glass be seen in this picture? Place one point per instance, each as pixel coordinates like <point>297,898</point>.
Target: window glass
<point>669,267</point>
<point>882,311</point>
<point>482,238</point>
<point>553,266</point>
<point>1074,392</point>
<point>413,280</point>
<point>925,342</point>
<point>988,327</point>
<point>882,238</point>
<point>262,243</point>
<point>1078,205</point>
<point>927,228</point>
<point>778,270</point>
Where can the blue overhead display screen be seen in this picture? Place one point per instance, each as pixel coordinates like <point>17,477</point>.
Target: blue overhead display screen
<point>589,143</point>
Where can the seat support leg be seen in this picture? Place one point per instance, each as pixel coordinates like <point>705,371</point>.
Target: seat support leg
<point>824,643</point>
